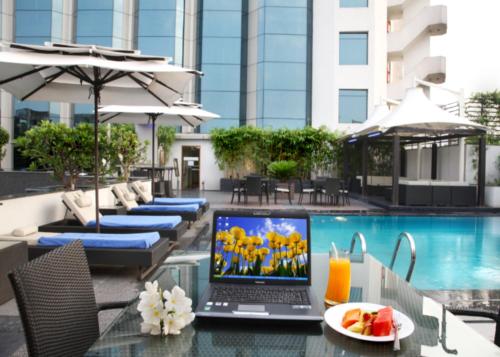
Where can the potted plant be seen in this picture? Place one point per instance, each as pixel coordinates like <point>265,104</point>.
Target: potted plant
<point>283,171</point>
<point>166,138</point>
<point>126,148</point>
<point>4,140</point>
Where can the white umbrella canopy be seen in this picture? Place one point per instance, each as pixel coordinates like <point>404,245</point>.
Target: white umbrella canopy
<point>90,74</point>
<point>417,115</point>
<point>379,112</point>
<point>179,114</point>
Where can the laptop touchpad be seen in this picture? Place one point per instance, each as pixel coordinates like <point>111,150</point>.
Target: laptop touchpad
<point>252,308</point>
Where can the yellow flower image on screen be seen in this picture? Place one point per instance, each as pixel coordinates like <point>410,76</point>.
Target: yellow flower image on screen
<point>238,254</point>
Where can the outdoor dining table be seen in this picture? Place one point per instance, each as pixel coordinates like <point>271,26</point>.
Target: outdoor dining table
<point>437,331</point>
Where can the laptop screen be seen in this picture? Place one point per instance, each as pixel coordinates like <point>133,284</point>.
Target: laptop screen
<point>266,249</point>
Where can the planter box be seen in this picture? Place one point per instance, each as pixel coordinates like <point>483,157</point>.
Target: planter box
<point>492,196</point>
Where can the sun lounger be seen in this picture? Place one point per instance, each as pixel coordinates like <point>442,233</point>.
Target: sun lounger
<point>145,196</point>
<point>146,251</point>
<point>82,208</point>
<point>191,212</point>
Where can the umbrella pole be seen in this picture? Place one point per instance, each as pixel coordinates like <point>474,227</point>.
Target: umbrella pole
<point>153,119</point>
<point>96,157</point>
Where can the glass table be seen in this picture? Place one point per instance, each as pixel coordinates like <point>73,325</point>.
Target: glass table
<point>437,332</point>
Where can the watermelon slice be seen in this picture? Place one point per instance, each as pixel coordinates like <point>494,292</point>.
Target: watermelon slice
<point>382,325</point>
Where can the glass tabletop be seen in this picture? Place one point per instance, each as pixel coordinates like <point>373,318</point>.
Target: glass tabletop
<point>437,332</point>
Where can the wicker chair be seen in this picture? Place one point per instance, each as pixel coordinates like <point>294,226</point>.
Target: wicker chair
<point>495,316</point>
<point>57,304</point>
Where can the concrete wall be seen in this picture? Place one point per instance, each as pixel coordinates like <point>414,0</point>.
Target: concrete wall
<point>41,209</point>
<point>448,168</point>
<point>328,76</point>
<point>210,174</point>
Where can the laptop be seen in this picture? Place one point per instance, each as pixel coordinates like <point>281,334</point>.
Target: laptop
<point>260,267</point>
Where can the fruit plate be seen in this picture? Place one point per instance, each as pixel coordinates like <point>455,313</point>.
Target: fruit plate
<point>334,315</point>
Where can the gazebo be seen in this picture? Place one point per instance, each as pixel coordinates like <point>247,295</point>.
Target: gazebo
<point>417,120</point>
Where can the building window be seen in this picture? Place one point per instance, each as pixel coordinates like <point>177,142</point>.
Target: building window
<point>353,48</point>
<point>353,105</point>
<point>353,3</point>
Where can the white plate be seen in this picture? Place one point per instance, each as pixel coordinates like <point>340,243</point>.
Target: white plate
<point>334,315</point>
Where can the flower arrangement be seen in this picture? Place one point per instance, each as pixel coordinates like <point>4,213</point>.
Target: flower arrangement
<point>164,312</point>
<point>280,255</point>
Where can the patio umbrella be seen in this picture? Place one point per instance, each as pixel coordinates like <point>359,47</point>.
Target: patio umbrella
<point>180,113</point>
<point>90,74</point>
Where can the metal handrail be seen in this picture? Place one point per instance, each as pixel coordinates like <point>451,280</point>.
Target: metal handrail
<point>362,240</point>
<point>412,251</point>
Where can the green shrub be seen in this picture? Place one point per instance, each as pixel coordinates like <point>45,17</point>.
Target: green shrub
<point>282,170</point>
<point>166,138</point>
<point>4,140</point>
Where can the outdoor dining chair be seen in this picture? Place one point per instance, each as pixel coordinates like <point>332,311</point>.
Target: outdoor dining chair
<point>331,190</point>
<point>283,190</point>
<point>305,188</point>
<point>255,187</point>
<point>56,301</point>
<point>238,187</point>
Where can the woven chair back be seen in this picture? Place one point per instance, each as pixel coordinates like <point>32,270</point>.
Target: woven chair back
<point>56,302</point>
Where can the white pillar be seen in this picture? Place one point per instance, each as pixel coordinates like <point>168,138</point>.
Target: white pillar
<point>462,156</point>
<point>419,160</point>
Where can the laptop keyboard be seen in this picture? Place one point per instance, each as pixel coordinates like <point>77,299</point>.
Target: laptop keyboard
<point>260,295</point>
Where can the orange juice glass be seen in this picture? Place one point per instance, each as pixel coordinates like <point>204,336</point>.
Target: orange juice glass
<point>339,278</point>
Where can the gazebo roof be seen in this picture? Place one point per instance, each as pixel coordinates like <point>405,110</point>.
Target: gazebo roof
<point>417,116</point>
<point>379,112</point>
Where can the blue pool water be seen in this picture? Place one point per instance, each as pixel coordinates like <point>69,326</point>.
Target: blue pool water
<point>452,252</point>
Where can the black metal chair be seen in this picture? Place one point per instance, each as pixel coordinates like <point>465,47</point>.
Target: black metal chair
<point>238,188</point>
<point>254,187</point>
<point>495,316</point>
<point>344,192</point>
<point>332,190</point>
<point>305,188</point>
<point>285,190</point>
<point>56,301</point>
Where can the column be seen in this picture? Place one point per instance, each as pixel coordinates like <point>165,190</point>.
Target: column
<point>364,167</point>
<point>396,166</point>
<point>481,170</point>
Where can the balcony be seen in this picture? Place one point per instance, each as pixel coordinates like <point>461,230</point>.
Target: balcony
<point>431,20</point>
<point>431,69</point>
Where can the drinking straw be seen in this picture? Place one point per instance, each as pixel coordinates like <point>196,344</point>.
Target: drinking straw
<point>335,252</point>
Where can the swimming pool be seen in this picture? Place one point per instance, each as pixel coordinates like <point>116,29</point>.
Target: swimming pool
<point>452,252</point>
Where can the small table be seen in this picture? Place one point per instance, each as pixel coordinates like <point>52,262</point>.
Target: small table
<point>12,255</point>
<point>437,331</point>
<point>112,210</point>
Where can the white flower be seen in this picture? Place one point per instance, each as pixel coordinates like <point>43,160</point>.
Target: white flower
<point>151,308</point>
<point>167,317</point>
<point>177,300</point>
<point>171,324</point>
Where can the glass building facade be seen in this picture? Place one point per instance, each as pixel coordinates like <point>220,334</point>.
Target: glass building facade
<point>220,46</point>
<point>284,55</point>
<point>94,22</point>
<point>160,28</point>
<point>36,22</point>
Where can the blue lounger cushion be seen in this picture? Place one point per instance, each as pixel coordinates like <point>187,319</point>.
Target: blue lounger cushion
<point>163,208</point>
<point>179,201</point>
<point>146,222</point>
<point>104,240</point>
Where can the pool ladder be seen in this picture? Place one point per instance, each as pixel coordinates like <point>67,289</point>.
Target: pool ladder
<point>362,241</point>
<point>359,236</point>
<point>413,253</point>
